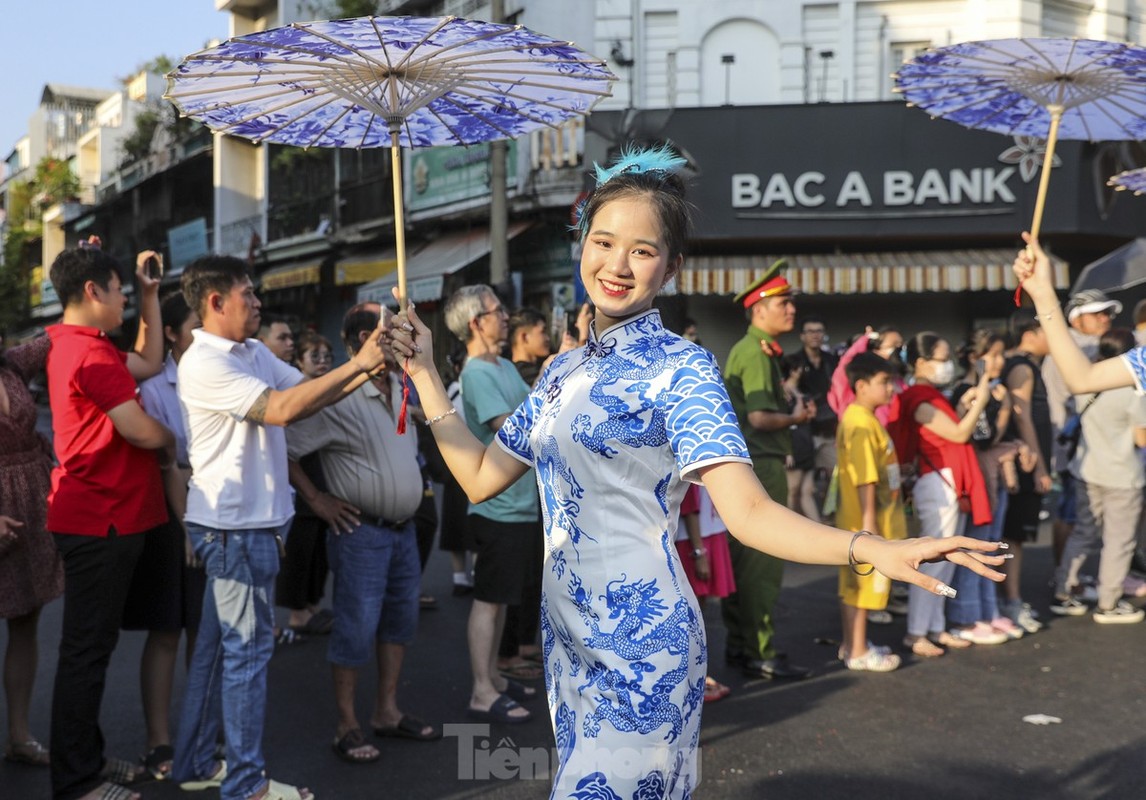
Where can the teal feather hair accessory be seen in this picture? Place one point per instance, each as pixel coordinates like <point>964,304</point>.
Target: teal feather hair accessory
<point>633,160</point>
<point>637,159</point>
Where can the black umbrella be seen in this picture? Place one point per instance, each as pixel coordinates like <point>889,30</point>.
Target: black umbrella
<point>1115,271</point>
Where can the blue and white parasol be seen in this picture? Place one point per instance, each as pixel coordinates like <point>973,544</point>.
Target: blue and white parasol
<point>388,81</point>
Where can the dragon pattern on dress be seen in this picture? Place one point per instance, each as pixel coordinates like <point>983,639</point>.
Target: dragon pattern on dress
<point>610,429</point>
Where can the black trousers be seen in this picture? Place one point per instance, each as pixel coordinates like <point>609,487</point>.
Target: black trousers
<point>97,576</point>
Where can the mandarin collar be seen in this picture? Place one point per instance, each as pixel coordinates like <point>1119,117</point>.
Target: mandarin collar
<point>630,327</point>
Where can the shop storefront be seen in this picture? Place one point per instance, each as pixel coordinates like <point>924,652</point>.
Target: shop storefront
<point>887,215</point>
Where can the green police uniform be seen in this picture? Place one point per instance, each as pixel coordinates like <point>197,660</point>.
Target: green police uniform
<point>754,383</point>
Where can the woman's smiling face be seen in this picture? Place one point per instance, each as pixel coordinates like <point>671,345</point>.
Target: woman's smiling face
<point>624,260</point>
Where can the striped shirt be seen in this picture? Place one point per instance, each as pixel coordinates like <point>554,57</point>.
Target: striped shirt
<point>365,461</point>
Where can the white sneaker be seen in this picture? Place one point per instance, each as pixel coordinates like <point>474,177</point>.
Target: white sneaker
<point>879,617</point>
<point>1122,614</point>
<point>1021,614</point>
<point>1068,606</point>
<point>980,633</point>
<point>874,661</point>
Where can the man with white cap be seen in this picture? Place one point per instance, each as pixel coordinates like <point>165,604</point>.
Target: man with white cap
<point>1090,314</point>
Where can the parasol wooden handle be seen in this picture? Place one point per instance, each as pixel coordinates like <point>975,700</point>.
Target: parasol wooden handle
<point>1048,164</point>
<point>399,216</point>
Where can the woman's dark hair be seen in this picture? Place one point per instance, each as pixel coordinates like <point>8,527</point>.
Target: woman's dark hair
<point>311,340</point>
<point>1115,342</point>
<point>977,346</point>
<point>922,345</point>
<point>883,332</point>
<point>73,268</point>
<point>663,188</point>
<point>210,274</point>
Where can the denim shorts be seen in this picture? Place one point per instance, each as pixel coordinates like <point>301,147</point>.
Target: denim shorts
<point>377,580</point>
<point>1067,508</point>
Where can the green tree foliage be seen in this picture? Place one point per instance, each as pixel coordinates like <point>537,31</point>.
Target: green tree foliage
<point>54,183</point>
<point>137,145</point>
<point>338,9</point>
<point>14,276</point>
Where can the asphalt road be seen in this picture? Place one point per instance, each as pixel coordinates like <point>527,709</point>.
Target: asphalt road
<point>947,728</point>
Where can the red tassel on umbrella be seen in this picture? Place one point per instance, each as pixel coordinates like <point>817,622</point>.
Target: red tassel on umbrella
<point>405,400</point>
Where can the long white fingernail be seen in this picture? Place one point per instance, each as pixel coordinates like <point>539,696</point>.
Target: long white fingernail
<point>945,591</point>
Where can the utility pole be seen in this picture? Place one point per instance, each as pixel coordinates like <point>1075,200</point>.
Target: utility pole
<point>498,217</point>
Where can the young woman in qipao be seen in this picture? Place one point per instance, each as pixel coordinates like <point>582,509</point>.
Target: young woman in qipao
<point>613,429</point>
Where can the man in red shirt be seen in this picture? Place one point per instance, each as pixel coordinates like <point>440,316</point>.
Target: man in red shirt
<point>106,489</point>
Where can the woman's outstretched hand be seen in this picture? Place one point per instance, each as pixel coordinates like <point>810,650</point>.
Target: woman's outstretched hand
<point>411,341</point>
<point>899,560</point>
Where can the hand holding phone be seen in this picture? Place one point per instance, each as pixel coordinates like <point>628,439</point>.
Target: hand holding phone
<point>154,267</point>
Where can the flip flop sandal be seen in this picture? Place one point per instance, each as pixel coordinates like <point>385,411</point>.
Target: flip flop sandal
<point>212,782</point>
<point>518,691</point>
<point>945,639</point>
<point>114,791</point>
<point>409,728</point>
<point>354,740</point>
<point>117,770</point>
<point>319,624</point>
<point>924,647</point>
<point>499,712</point>
<point>31,753</point>
<point>716,691</point>
<point>284,791</point>
<point>158,761</point>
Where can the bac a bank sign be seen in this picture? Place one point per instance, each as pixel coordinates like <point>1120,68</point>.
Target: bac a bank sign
<point>861,170</point>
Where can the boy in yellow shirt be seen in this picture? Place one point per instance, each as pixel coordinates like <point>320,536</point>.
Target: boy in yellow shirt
<point>869,500</point>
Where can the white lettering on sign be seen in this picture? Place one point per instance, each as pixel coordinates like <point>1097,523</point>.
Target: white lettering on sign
<point>897,188</point>
<point>800,189</point>
<point>996,185</point>
<point>980,185</point>
<point>745,190</point>
<point>778,190</point>
<point>854,188</point>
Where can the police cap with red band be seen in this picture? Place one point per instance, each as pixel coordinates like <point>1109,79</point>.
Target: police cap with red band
<point>771,284</point>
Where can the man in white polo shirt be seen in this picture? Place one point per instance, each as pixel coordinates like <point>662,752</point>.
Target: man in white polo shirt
<point>236,398</point>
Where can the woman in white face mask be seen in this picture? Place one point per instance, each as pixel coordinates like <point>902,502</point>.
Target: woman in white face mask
<point>931,439</point>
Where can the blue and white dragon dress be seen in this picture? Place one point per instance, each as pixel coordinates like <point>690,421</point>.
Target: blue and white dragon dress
<point>612,429</point>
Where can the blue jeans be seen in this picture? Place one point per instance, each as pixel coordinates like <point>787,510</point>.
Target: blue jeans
<point>977,598</point>
<point>227,679</point>
<point>377,578</point>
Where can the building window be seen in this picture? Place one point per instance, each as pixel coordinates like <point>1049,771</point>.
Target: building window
<point>905,51</point>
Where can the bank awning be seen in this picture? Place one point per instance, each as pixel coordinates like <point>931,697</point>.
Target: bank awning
<point>427,268</point>
<point>289,276</point>
<point>912,272</point>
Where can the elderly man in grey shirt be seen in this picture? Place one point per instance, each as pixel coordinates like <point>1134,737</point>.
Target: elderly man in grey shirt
<point>375,486</point>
